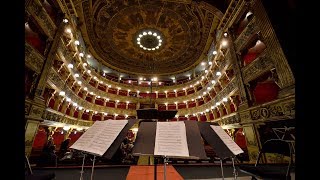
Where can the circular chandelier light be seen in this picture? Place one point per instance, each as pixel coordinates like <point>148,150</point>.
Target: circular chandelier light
<point>149,40</point>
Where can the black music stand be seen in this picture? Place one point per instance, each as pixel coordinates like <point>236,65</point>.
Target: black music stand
<point>145,141</point>
<point>219,147</point>
<point>154,115</point>
<point>112,149</point>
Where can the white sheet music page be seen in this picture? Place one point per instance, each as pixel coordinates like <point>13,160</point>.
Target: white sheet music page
<point>171,139</point>
<point>99,137</point>
<point>234,148</point>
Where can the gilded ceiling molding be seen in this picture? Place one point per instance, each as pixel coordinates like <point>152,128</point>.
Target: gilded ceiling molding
<point>111,28</point>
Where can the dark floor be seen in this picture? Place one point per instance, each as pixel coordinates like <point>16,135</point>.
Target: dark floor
<point>120,172</point>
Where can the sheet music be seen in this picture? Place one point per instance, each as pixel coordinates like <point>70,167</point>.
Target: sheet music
<point>99,137</point>
<point>171,139</point>
<point>234,148</point>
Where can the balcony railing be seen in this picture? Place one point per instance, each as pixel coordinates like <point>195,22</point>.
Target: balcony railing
<point>33,59</point>
<point>260,65</point>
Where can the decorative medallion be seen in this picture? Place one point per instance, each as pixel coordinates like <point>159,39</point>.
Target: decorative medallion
<point>173,35</point>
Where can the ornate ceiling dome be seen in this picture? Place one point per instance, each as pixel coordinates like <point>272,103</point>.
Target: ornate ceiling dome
<point>148,37</point>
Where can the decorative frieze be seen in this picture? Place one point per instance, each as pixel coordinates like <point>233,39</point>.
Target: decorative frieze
<point>33,59</point>
<point>55,116</point>
<point>230,119</point>
<point>276,110</point>
<point>42,17</point>
<point>245,35</point>
<point>259,66</point>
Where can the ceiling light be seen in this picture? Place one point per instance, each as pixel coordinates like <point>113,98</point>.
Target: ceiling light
<point>68,30</point>
<point>214,52</point>
<point>154,34</point>
<point>218,73</point>
<point>76,75</point>
<point>65,20</point>
<point>140,35</point>
<point>70,66</point>
<point>88,56</point>
<point>85,88</point>
<point>76,42</point>
<point>224,43</point>
<point>62,93</point>
<point>81,54</point>
<point>84,64</point>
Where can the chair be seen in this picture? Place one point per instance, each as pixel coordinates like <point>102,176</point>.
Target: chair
<point>271,171</point>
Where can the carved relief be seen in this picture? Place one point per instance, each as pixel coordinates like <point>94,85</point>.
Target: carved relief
<point>276,110</point>
<point>113,31</point>
<point>27,107</point>
<point>43,18</point>
<point>36,111</point>
<point>33,59</point>
<point>256,68</point>
<point>54,116</point>
<point>250,30</point>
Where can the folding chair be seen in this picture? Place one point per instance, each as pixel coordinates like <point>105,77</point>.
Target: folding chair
<point>271,171</point>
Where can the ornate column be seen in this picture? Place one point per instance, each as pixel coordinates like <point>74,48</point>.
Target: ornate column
<point>198,116</point>
<point>214,112</point>
<point>207,116</point>
<point>57,101</point>
<point>220,109</point>
<point>80,113</point>
<point>93,99</point>
<point>65,105</point>
<point>72,109</point>
<point>90,115</point>
<point>227,106</point>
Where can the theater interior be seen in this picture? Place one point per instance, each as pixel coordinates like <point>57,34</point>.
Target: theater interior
<point>226,62</point>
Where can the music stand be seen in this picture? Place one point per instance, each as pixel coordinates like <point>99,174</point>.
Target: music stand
<point>145,141</point>
<point>220,148</point>
<point>112,149</point>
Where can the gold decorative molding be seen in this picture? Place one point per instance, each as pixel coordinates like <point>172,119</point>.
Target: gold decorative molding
<point>259,66</point>
<point>246,34</point>
<point>55,81</point>
<point>225,92</point>
<point>279,109</point>
<point>33,59</point>
<point>42,17</point>
<point>55,116</point>
<point>112,33</point>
